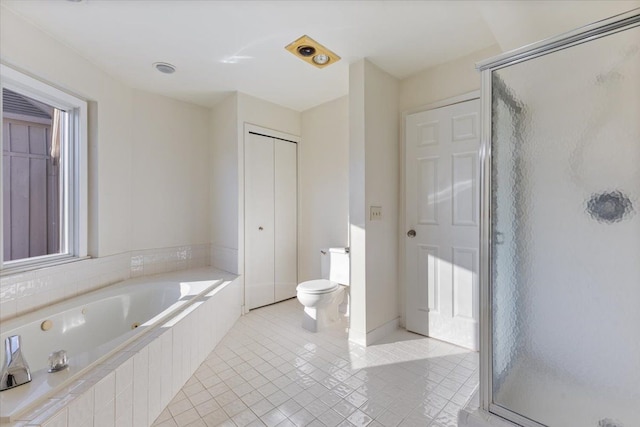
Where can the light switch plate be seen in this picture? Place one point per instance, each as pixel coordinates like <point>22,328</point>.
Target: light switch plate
<point>375,213</point>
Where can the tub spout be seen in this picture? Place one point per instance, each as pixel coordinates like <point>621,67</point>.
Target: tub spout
<point>15,371</point>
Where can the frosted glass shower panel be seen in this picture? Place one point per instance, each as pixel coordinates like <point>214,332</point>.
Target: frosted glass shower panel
<point>565,228</point>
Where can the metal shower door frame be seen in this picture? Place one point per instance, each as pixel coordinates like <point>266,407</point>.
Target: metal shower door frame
<point>567,40</point>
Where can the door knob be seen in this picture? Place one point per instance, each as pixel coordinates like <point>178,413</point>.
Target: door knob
<point>411,233</point>
<point>260,228</point>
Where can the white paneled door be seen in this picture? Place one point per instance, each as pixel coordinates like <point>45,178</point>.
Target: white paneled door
<point>442,218</point>
<point>271,273</point>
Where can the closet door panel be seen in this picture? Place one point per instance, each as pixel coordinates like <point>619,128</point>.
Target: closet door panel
<point>259,221</point>
<point>286,214</point>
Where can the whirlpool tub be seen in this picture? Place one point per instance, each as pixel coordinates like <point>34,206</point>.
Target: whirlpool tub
<point>101,329</point>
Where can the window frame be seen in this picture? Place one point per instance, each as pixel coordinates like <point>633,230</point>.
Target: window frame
<point>74,222</point>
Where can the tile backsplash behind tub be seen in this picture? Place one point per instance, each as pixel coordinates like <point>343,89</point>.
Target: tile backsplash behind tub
<point>27,291</point>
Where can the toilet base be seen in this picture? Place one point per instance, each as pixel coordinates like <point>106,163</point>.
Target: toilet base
<point>314,320</point>
<point>320,311</point>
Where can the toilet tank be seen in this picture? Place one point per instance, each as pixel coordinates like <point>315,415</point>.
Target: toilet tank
<point>334,265</point>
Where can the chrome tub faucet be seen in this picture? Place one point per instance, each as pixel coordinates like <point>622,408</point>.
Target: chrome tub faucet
<point>15,371</point>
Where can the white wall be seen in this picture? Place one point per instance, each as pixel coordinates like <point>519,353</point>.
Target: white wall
<point>147,160</point>
<point>169,177</point>
<point>516,24</point>
<point>382,189</point>
<point>323,171</point>
<point>357,220</point>
<point>374,181</point>
<point>224,180</point>
<point>267,114</point>
<point>443,81</point>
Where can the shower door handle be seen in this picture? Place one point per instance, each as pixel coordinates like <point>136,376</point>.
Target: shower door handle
<point>499,238</point>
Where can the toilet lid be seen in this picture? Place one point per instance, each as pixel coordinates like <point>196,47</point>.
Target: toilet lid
<point>317,286</point>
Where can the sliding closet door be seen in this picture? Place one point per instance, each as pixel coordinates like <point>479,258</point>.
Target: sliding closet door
<point>286,247</point>
<point>259,221</point>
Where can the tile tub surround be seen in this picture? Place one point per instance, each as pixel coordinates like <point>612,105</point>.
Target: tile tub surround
<point>24,292</point>
<point>269,371</point>
<point>133,386</point>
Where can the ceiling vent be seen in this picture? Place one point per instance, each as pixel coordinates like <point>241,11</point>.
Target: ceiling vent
<point>164,67</point>
<point>312,52</point>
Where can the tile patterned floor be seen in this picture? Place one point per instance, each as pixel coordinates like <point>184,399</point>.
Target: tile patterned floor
<point>269,371</point>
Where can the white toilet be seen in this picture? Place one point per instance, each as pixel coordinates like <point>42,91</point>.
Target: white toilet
<point>322,297</point>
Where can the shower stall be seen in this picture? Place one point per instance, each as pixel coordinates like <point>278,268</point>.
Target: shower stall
<point>560,268</point>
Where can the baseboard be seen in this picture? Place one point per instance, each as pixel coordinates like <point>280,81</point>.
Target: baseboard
<point>382,331</point>
<point>358,337</point>
<point>366,339</point>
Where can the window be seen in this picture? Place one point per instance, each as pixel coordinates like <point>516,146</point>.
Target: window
<point>44,173</point>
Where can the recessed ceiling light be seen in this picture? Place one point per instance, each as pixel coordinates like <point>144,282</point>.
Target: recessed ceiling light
<point>165,68</point>
<point>306,50</point>
<point>321,59</point>
<point>312,52</point>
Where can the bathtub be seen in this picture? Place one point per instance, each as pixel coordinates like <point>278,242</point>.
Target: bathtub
<point>94,327</point>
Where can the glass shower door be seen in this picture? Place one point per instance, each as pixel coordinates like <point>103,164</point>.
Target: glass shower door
<point>564,215</point>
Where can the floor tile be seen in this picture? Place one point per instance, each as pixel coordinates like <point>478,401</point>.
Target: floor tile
<point>330,398</point>
<point>356,399</point>
<point>252,398</point>
<point>359,418</point>
<point>372,409</point>
<point>273,418</point>
<point>331,418</point>
<point>167,423</point>
<point>193,389</point>
<point>316,407</point>
<point>207,407</point>
<point>244,418</point>
<point>262,407</point>
<point>278,398</point>
<point>197,423</point>
<point>226,398</point>
<point>215,418</point>
<point>180,407</point>
<point>268,371</point>
<point>344,408</point>
<point>301,418</point>
<point>187,417</point>
<point>234,408</point>
<point>389,419</point>
<point>201,397</point>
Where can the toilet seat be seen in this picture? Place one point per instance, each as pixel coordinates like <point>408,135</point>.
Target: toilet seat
<point>320,286</point>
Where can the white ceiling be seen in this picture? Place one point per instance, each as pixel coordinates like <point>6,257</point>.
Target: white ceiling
<point>224,46</point>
